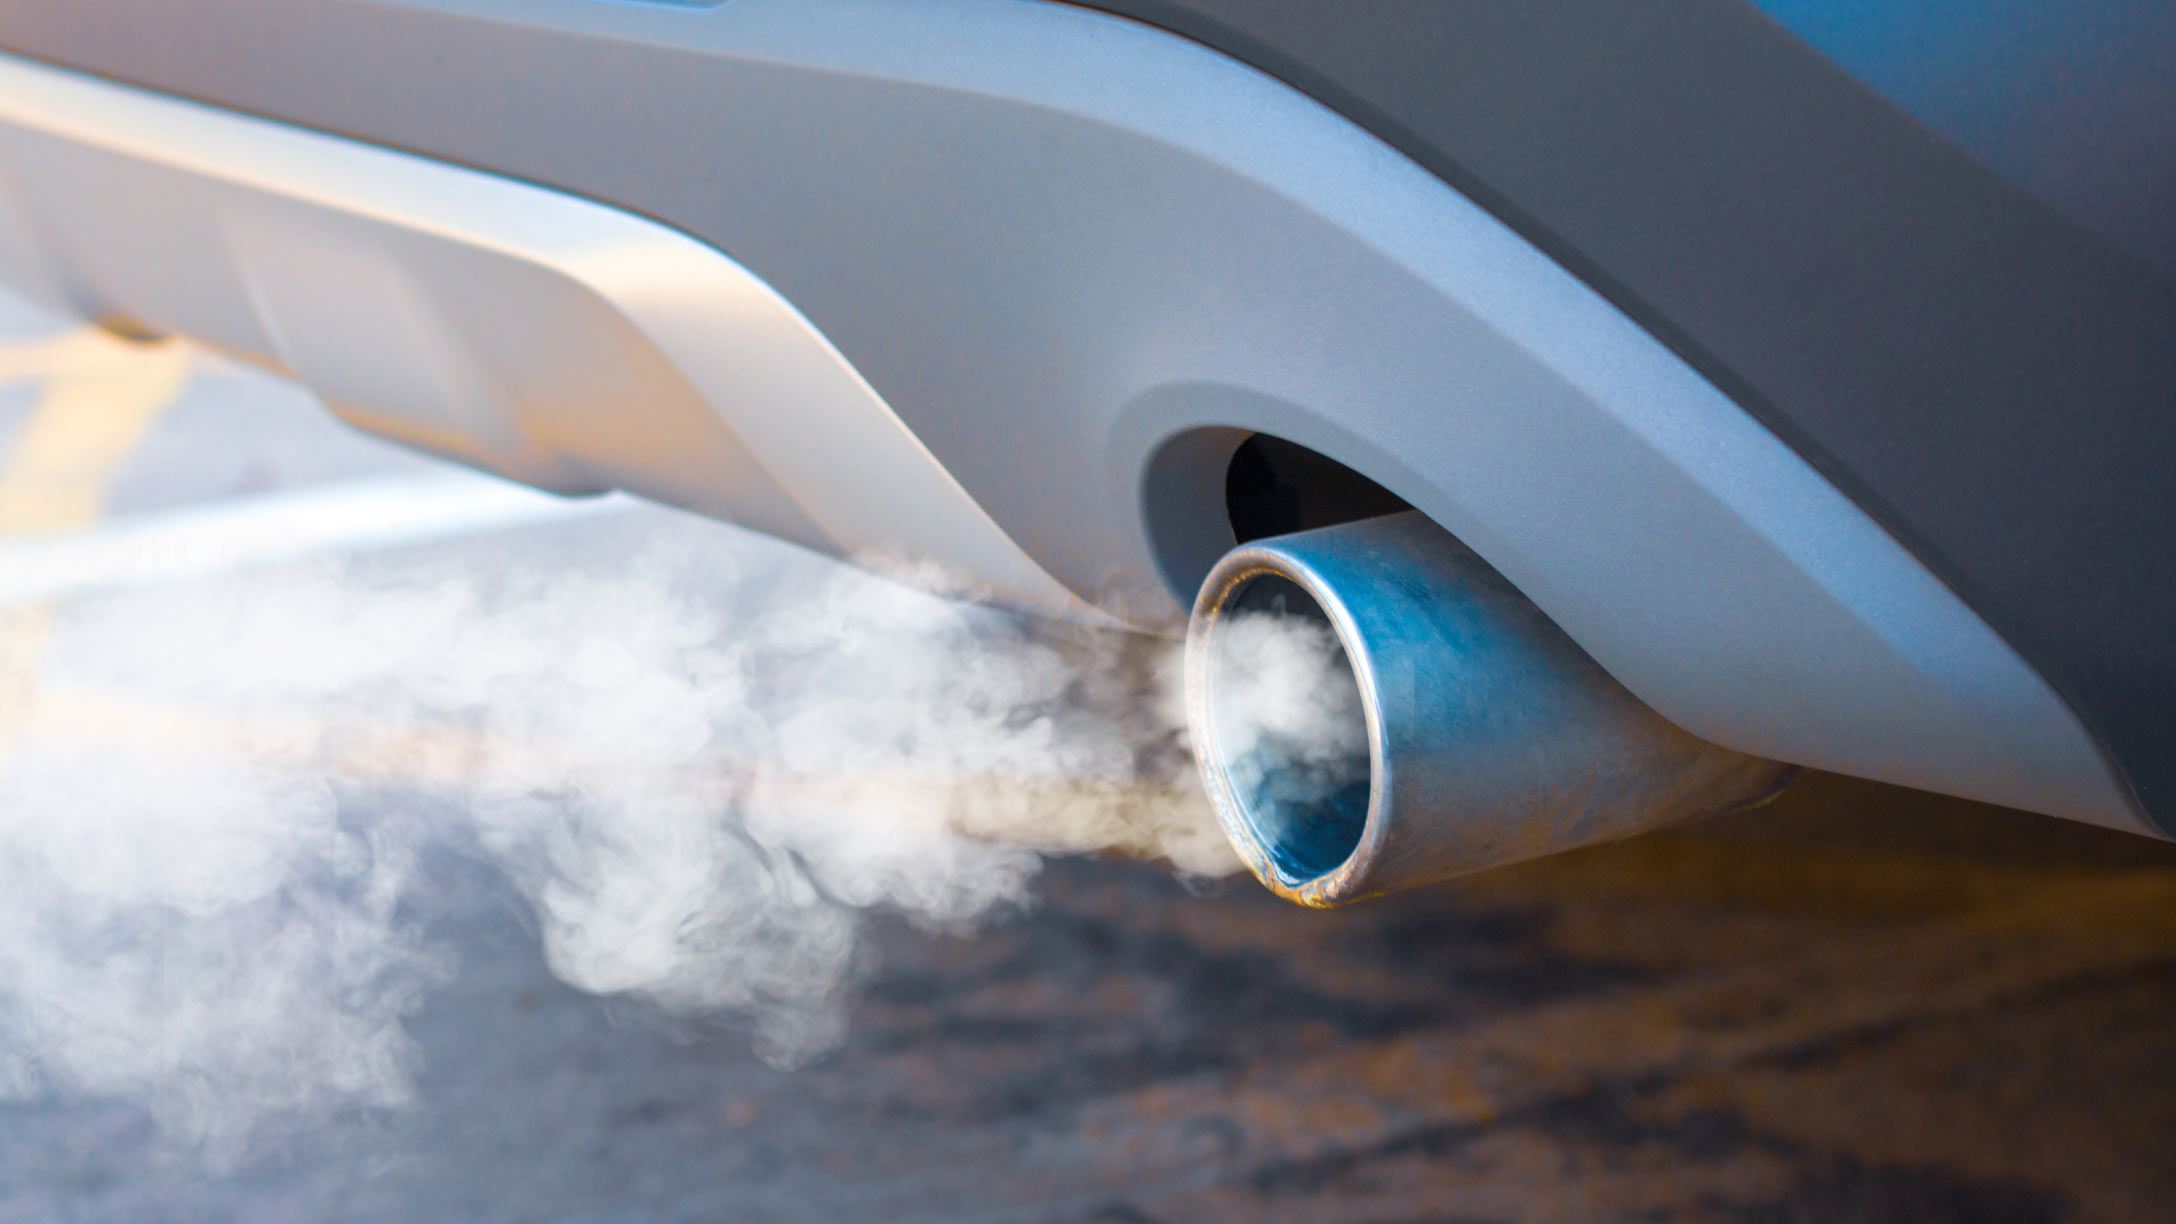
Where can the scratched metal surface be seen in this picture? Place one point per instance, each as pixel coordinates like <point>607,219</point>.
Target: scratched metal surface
<point>1857,1005</point>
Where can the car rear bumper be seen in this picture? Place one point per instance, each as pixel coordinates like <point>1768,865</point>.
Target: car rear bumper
<point>1054,263</point>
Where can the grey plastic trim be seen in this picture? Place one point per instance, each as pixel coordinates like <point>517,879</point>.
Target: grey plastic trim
<point>550,339</point>
<point>1060,244</point>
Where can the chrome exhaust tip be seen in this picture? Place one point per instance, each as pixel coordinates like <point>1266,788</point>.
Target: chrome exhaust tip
<point>1374,708</point>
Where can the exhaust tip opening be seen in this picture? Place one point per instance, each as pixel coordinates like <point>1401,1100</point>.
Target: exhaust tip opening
<point>1291,735</point>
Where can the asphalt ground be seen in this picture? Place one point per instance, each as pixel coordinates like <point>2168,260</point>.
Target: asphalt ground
<point>1859,1004</point>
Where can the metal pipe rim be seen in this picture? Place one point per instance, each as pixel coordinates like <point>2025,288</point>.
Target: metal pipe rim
<point>1234,573</point>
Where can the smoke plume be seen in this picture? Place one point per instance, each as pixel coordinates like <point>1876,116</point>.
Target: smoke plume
<point>1290,725</point>
<point>214,799</point>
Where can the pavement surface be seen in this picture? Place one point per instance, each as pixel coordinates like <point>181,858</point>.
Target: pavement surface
<point>1859,1004</point>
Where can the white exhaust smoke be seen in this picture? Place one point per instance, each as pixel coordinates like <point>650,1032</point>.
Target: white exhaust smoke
<point>214,799</point>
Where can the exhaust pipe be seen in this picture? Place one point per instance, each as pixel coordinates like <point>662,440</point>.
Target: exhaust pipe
<point>1374,707</point>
